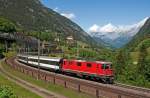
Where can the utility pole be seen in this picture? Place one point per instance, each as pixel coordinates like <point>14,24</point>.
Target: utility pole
<point>6,46</point>
<point>27,52</point>
<point>38,56</point>
<point>77,49</point>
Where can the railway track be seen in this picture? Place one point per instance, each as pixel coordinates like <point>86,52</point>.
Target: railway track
<point>95,89</point>
<point>133,87</point>
<point>33,88</point>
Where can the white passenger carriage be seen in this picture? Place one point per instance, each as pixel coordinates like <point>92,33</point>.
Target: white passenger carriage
<point>45,62</point>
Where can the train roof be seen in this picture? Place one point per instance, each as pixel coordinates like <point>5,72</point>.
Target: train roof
<point>58,59</point>
<point>101,62</point>
<point>42,57</point>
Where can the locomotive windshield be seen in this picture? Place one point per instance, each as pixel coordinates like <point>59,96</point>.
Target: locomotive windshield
<point>106,66</point>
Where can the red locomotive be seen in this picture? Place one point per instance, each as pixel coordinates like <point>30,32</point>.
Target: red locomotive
<point>97,70</point>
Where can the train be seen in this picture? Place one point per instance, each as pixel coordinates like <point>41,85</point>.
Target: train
<point>95,70</point>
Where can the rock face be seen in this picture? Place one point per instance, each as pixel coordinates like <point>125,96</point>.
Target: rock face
<point>31,15</point>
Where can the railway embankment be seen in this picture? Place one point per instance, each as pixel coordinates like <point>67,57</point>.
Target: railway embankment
<point>58,89</point>
<point>89,87</point>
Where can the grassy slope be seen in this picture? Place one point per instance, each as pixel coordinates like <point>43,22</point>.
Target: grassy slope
<point>49,86</point>
<point>149,49</point>
<point>19,91</point>
<point>134,56</point>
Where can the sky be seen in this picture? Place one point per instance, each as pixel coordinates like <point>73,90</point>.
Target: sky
<point>88,13</point>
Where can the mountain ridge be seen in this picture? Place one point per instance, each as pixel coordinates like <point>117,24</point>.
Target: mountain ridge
<point>32,15</point>
<point>117,36</point>
<point>144,33</point>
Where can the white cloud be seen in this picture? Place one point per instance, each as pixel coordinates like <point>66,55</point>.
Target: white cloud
<point>69,15</point>
<point>94,28</point>
<point>56,9</point>
<point>113,32</point>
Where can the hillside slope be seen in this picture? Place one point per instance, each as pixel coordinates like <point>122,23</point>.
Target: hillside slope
<point>31,15</point>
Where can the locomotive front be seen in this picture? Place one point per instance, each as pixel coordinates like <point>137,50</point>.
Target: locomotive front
<point>107,71</point>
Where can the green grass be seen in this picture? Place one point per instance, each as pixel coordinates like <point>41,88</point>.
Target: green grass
<point>148,49</point>
<point>49,86</point>
<point>18,90</point>
<point>134,56</point>
<point>132,71</point>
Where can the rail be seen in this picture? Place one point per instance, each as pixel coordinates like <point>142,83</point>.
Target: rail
<point>95,89</point>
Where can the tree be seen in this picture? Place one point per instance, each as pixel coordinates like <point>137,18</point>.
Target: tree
<point>120,61</point>
<point>2,49</point>
<point>147,69</point>
<point>6,25</point>
<point>6,92</point>
<point>144,62</point>
<point>142,59</point>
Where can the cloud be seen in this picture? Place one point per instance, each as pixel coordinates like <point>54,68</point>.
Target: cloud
<point>114,31</point>
<point>94,28</point>
<point>69,15</point>
<point>56,9</point>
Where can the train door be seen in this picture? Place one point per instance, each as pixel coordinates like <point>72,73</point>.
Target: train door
<point>70,65</point>
<point>98,69</point>
<point>79,66</point>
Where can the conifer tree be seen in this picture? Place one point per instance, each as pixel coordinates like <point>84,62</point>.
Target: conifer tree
<point>120,62</point>
<point>142,59</point>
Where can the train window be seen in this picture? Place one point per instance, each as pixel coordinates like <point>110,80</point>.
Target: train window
<point>78,63</point>
<point>89,65</point>
<point>44,61</point>
<point>105,66</point>
<point>23,58</point>
<point>110,66</point>
<point>33,60</point>
<point>49,62</point>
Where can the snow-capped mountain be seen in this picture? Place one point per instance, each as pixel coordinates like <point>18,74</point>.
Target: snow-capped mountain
<point>116,36</point>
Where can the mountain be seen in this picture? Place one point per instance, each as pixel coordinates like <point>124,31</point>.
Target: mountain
<point>103,43</point>
<point>144,33</point>
<point>32,15</point>
<point>117,36</point>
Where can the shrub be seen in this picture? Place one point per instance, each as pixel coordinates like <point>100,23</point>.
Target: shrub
<point>9,54</point>
<point>6,92</point>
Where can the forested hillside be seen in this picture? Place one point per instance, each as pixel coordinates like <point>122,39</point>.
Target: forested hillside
<point>32,17</point>
<point>132,63</point>
<point>143,34</point>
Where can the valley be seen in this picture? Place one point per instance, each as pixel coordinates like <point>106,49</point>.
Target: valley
<point>34,28</point>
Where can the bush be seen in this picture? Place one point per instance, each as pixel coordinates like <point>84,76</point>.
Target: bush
<point>6,92</point>
<point>7,25</point>
<point>9,54</point>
